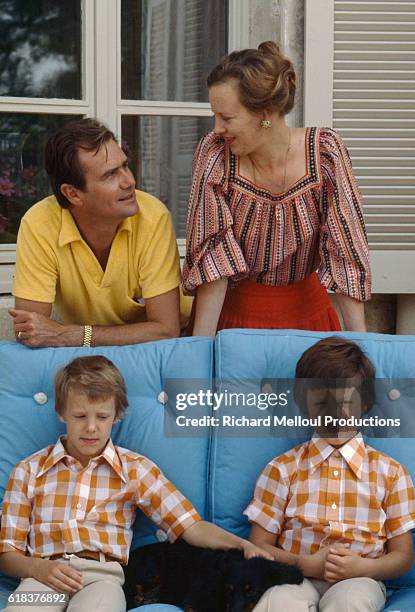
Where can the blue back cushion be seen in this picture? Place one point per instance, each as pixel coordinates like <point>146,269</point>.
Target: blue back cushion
<point>242,355</point>
<point>27,425</point>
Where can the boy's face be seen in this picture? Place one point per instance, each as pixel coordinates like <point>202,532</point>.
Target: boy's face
<point>88,425</point>
<point>335,403</point>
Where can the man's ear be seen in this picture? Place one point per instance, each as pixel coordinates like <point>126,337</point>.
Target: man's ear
<point>72,194</point>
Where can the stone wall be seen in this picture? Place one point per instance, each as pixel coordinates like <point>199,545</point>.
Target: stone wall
<point>6,327</point>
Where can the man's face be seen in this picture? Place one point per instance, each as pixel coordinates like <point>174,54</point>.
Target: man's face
<point>88,425</point>
<point>335,403</point>
<point>109,194</point>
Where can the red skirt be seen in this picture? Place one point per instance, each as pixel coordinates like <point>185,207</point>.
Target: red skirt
<point>302,305</point>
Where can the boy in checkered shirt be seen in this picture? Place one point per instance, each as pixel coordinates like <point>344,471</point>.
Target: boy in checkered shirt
<point>68,508</point>
<point>335,507</point>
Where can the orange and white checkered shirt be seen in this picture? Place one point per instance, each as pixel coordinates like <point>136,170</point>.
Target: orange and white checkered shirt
<point>314,496</point>
<point>54,505</point>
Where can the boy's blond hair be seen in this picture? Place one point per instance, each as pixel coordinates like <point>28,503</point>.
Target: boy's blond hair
<point>94,376</point>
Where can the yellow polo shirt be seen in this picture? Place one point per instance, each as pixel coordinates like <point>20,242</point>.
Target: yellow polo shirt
<point>55,265</point>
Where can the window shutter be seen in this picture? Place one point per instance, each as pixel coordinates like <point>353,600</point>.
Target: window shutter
<point>374,111</point>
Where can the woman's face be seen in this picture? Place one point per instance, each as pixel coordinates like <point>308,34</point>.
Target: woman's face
<point>234,122</point>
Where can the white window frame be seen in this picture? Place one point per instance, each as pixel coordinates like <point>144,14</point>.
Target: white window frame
<point>101,86</point>
<point>56,106</point>
<point>110,105</point>
<point>392,270</point>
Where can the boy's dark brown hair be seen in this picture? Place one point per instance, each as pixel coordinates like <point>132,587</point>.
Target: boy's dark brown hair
<point>331,361</point>
<point>61,154</point>
<point>94,376</point>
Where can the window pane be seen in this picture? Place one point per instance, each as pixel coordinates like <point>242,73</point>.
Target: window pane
<point>160,150</point>
<point>23,180</point>
<point>169,48</point>
<point>40,48</point>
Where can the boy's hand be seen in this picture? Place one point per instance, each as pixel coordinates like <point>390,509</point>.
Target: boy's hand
<point>57,575</point>
<point>313,565</point>
<point>342,563</point>
<point>250,550</point>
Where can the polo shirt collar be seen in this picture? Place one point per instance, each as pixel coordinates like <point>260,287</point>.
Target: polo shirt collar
<point>58,453</point>
<point>353,452</point>
<point>69,231</point>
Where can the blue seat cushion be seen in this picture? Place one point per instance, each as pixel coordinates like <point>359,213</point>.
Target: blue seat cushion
<point>401,600</point>
<point>255,355</point>
<point>157,608</point>
<point>7,586</point>
<point>27,425</point>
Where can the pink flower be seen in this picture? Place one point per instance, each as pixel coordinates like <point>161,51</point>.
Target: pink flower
<point>6,187</point>
<point>28,173</point>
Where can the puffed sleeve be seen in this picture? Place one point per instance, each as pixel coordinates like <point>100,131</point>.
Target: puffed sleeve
<point>344,253</point>
<point>212,252</point>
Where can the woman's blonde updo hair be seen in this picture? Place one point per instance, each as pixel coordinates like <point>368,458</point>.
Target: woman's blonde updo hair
<point>266,78</point>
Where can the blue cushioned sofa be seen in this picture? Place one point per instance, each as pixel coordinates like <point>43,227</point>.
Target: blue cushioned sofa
<point>217,473</point>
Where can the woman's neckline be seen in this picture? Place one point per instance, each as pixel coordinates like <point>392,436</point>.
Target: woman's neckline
<point>292,186</point>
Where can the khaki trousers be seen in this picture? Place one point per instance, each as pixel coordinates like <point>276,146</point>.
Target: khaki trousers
<point>353,595</point>
<point>102,590</point>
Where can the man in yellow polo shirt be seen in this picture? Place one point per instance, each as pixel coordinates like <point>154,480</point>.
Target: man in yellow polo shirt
<point>103,254</point>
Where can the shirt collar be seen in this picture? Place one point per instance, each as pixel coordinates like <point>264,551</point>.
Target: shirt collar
<point>353,452</point>
<point>109,454</point>
<point>70,233</point>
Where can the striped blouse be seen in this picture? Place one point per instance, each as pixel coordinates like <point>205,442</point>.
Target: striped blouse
<point>237,230</point>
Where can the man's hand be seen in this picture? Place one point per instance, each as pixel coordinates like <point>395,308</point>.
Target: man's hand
<point>57,575</point>
<point>250,551</point>
<point>343,563</point>
<point>36,330</point>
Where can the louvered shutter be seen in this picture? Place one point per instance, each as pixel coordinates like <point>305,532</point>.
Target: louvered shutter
<point>374,111</point>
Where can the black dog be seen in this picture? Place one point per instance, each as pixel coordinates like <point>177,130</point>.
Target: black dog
<point>200,579</point>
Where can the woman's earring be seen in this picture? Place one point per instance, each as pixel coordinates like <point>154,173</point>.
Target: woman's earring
<point>265,123</point>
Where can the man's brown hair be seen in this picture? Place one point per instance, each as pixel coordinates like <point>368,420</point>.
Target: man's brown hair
<point>94,376</point>
<point>61,153</point>
<point>331,361</point>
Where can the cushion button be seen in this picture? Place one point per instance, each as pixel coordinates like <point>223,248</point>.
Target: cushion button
<point>161,535</point>
<point>163,399</point>
<point>40,398</point>
<point>394,394</point>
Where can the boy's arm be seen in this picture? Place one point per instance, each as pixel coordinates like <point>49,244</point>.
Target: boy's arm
<point>208,535</point>
<point>57,576</point>
<point>310,565</point>
<point>343,563</point>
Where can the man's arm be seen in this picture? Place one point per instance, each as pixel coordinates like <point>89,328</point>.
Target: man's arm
<point>57,576</point>
<point>34,327</point>
<point>208,535</point>
<point>343,563</point>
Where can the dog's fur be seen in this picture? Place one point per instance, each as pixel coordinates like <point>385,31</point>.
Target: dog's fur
<point>201,580</point>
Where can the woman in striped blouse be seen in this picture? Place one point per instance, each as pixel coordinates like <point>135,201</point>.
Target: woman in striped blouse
<point>275,217</point>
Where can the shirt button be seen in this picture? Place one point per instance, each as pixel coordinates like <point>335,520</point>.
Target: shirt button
<point>336,472</point>
<point>333,506</point>
<point>79,506</point>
